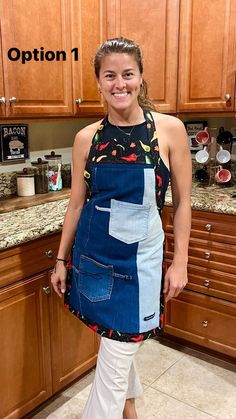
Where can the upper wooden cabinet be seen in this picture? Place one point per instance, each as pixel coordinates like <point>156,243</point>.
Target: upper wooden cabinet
<point>39,87</point>
<point>207,59</point>
<point>88,32</point>
<point>2,92</point>
<point>154,25</point>
<point>65,86</point>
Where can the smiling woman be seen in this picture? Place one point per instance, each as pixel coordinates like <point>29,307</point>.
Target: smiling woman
<point>115,282</point>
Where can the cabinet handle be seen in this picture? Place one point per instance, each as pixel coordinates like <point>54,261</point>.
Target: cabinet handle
<point>207,255</point>
<point>208,227</point>
<point>205,323</point>
<point>78,101</point>
<point>227,97</point>
<point>3,100</point>
<point>206,283</point>
<point>46,290</point>
<point>49,254</point>
<point>12,99</point>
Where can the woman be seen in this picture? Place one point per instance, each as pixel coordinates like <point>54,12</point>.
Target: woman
<point>124,163</point>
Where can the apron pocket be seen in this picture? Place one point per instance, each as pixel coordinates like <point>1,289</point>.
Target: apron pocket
<point>95,281</point>
<point>128,222</point>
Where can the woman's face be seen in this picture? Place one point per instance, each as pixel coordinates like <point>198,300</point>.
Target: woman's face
<point>119,80</point>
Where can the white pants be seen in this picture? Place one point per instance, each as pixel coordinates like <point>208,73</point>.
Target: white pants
<point>115,380</point>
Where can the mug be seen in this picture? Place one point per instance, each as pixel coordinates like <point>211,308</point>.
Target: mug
<point>202,137</point>
<point>222,175</point>
<point>201,175</point>
<point>223,156</point>
<point>202,156</point>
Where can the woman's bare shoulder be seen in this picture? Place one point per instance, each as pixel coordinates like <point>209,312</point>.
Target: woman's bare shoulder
<point>87,133</point>
<point>167,120</point>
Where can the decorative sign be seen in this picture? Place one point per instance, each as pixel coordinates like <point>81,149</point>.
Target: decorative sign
<point>14,142</point>
<point>192,128</point>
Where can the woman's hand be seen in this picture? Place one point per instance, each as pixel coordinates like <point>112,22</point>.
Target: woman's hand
<point>175,280</point>
<point>58,278</point>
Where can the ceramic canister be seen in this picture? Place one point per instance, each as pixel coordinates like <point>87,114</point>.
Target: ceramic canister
<point>25,183</point>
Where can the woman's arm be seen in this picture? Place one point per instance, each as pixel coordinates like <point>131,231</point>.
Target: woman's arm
<point>181,183</point>
<point>75,206</point>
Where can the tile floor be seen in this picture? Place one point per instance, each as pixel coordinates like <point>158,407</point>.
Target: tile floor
<point>179,383</point>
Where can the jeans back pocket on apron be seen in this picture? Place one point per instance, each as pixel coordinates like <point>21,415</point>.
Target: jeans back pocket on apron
<point>129,222</point>
<point>95,280</point>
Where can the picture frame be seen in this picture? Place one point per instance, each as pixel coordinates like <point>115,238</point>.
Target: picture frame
<point>192,127</point>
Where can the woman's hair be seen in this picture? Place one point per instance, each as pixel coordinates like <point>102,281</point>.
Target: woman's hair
<point>124,45</point>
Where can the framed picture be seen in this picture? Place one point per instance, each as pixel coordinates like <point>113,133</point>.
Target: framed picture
<point>192,127</point>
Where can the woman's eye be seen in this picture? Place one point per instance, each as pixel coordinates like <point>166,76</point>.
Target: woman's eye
<point>128,75</point>
<point>109,76</point>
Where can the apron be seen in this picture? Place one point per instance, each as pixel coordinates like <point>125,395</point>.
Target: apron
<point>115,279</point>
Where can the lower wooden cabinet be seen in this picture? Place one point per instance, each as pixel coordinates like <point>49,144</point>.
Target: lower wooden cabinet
<point>203,320</point>
<point>25,362</point>
<point>43,347</point>
<point>73,345</point>
<point>205,312</point>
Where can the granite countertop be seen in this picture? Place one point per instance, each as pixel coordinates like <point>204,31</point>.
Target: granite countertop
<point>23,225</point>
<point>211,198</point>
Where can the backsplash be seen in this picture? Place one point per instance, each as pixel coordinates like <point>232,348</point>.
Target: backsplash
<point>8,181</point>
<point>59,136</point>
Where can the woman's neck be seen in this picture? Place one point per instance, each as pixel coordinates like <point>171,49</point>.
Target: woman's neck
<point>126,117</point>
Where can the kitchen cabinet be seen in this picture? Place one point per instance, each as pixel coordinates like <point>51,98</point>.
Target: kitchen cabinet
<point>43,86</point>
<point>205,312</point>
<point>207,56</point>
<point>89,30</point>
<point>43,347</point>
<point>2,92</point>
<point>36,87</point>
<point>157,34</point>
<point>25,367</point>
<point>73,345</point>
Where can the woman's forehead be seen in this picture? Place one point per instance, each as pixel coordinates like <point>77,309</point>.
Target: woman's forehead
<point>118,60</point>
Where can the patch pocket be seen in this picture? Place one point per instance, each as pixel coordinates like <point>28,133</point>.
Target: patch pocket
<point>95,280</point>
<point>128,222</point>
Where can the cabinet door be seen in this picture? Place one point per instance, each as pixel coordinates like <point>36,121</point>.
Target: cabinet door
<point>39,86</point>
<point>207,61</point>
<point>2,92</point>
<point>202,320</point>
<point>154,25</point>
<point>25,364</point>
<point>74,345</point>
<point>88,32</point>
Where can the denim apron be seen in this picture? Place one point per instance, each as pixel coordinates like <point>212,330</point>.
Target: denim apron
<point>116,273</point>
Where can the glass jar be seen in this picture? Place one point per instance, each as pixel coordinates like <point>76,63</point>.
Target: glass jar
<point>54,171</point>
<point>25,183</point>
<point>40,175</point>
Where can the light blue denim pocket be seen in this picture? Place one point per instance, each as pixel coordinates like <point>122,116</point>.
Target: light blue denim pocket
<point>128,222</point>
<point>95,280</point>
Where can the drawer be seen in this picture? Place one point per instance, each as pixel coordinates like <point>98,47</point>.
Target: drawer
<point>27,259</point>
<point>210,282</point>
<point>215,256</point>
<point>208,321</point>
<point>207,226</point>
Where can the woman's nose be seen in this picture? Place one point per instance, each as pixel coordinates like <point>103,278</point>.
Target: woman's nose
<point>120,82</point>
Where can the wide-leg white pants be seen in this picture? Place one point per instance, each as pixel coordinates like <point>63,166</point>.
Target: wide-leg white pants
<point>116,379</point>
